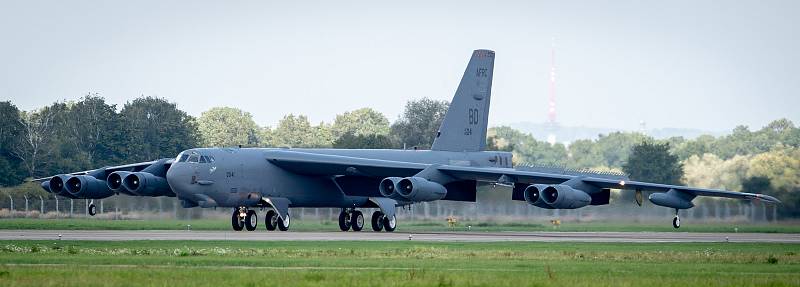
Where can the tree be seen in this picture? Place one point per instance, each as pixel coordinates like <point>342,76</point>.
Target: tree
<point>370,141</point>
<point>92,127</point>
<point>37,131</point>
<point>155,128</point>
<point>227,127</point>
<point>527,149</point>
<point>297,131</point>
<point>420,121</point>
<point>650,161</point>
<point>710,171</point>
<point>364,121</point>
<point>10,131</point>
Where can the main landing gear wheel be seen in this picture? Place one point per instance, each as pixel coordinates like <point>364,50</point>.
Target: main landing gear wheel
<point>236,221</point>
<point>357,220</point>
<point>344,220</point>
<point>283,223</point>
<point>377,221</point>
<point>390,223</point>
<point>92,209</point>
<point>676,221</point>
<point>251,220</point>
<point>271,220</point>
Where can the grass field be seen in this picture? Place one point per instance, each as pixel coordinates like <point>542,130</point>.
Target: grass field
<point>213,263</point>
<point>417,226</point>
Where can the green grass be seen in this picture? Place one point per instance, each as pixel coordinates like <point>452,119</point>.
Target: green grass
<point>402,263</point>
<point>404,226</point>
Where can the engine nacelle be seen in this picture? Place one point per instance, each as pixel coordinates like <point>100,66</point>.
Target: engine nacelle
<point>533,196</point>
<point>565,197</point>
<point>46,186</point>
<point>57,185</point>
<point>85,186</point>
<point>417,189</point>
<point>388,188</point>
<point>114,181</point>
<point>146,184</point>
<point>673,199</point>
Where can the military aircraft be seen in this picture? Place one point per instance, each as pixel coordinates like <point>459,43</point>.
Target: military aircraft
<point>277,179</point>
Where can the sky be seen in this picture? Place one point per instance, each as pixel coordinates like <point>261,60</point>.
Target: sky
<point>709,65</point>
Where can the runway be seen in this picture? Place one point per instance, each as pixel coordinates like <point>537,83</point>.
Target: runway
<point>119,235</point>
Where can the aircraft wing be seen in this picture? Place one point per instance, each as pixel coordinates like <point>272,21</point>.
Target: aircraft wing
<point>486,174</point>
<point>332,165</point>
<point>324,164</point>
<point>109,169</point>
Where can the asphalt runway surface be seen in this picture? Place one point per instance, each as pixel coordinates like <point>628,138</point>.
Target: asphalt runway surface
<point>260,235</point>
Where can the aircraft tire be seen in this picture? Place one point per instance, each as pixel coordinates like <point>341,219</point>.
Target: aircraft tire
<point>251,220</point>
<point>284,223</point>
<point>235,222</point>
<point>344,221</point>
<point>377,221</point>
<point>270,220</point>
<point>389,224</point>
<point>676,222</point>
<point>357,220</point>
<point>92,209</point>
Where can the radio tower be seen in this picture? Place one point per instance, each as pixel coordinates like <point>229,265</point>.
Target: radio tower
<point>551,107</point>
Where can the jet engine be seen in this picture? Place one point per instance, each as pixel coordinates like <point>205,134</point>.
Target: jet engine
<point>563,196</point>
<point>146,184</point>
<point>114,181</point>
<point>85,186</point>
<point>533,196</point>
<point>56,185</point>
<point>417,189</point>
<point>388,188</point>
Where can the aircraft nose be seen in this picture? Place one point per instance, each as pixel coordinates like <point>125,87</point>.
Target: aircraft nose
<point>178,177</point>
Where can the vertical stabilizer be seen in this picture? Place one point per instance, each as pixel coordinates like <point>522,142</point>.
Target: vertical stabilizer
<point>464,125</point>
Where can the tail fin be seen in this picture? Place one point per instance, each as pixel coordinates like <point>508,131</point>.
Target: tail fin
<point>464,125</point>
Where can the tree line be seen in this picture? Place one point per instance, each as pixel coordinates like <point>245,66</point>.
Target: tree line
<point>90,133</point>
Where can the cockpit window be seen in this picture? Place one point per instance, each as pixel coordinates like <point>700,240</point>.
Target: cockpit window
<point>211,159</point>
<point>194,157</point>
<point>203,159</point>
<point>183,157</point>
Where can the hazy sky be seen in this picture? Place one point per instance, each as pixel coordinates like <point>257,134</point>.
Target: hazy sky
<point>691,64</point>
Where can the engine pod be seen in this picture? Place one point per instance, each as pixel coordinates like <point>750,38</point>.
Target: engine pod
<point>85,186</point>
<point>417,189</point>
<point>533,196</point>
<point>565,197</point>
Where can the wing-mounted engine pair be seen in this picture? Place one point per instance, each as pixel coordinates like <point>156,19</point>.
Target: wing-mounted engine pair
<point>572,194</point>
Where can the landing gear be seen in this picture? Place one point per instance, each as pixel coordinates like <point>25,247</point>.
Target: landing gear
<point>351,219</point>
<point>283,223</point>
<point>357,220</point>
<point>251,220</point>
<point>382,222</point>
<point>236,219</point>
<point>344,220</point>
<point>92,209</point>
<point>389,223</point>
<point>676,221</point>
<point>271,220</point>
<point>377,221</point>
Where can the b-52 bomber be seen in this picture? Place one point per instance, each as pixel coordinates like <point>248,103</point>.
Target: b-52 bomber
<point>278,179</point>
